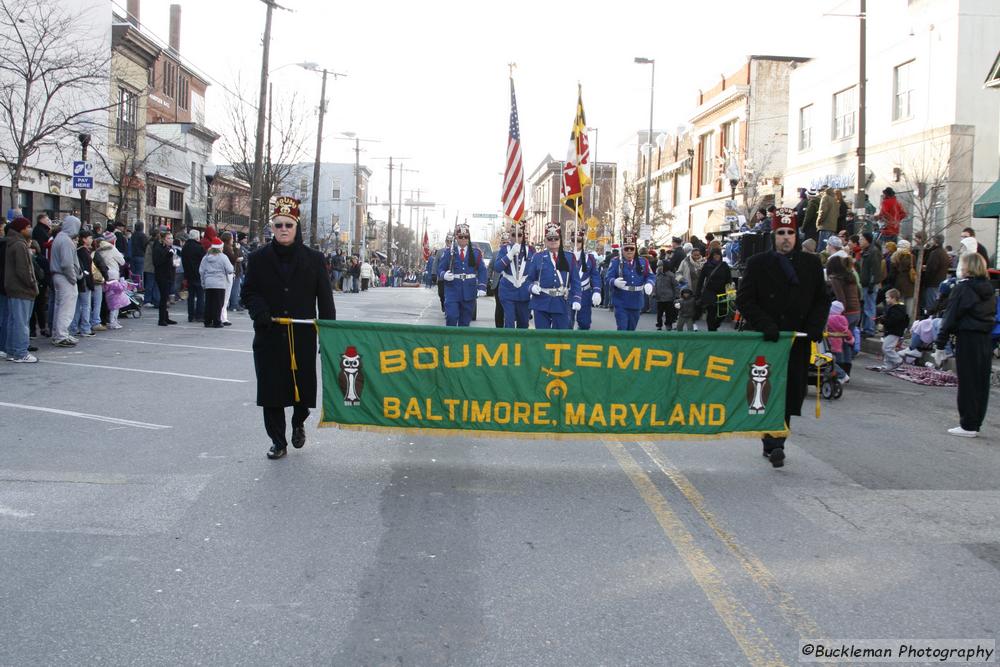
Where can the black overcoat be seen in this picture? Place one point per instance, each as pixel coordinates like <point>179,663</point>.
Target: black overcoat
<point>303,293</point>
<point>766,298</point>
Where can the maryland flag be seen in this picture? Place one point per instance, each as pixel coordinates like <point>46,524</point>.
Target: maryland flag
<point>426,247</point>
<point>574,176</point>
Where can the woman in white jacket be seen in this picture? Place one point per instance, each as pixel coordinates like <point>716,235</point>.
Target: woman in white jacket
<point>110,261</point>
<point>216,276</point>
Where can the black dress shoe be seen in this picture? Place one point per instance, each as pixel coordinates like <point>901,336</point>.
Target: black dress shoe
<point>171,322</point>
<point>777,457</point>
<point>276,452</point>
<point>217,325</point>
<point>162,324</point>
<point>190,319</point>
<point>298,436</point>
<point>227,324</point>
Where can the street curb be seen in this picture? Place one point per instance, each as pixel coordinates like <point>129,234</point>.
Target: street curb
<point>873,346</point>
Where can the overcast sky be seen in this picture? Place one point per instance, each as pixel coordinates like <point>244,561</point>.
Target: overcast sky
<point>429,79</point>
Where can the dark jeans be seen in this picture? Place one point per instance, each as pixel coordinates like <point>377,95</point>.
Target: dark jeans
<point>40,315</point>
<point>214,299</point>
<point>665,314</point>
<point>163,287</point>
<point>973,362</point>
<point>196,302</point>
<point>274,422</point>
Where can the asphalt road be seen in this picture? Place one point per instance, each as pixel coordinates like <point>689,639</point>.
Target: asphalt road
<point>141,524</point>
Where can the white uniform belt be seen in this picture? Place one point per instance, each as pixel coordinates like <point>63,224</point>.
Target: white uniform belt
<point>585,284</point>
<point>632,288</point>
<point>464,276</point>
<point>555,291</point>
<point>510,279</point>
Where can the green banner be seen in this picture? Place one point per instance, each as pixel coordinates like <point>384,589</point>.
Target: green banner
<point>552,383</point>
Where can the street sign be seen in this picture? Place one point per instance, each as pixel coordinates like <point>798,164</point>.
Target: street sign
<point>645,232</point>
<point>82,175</point>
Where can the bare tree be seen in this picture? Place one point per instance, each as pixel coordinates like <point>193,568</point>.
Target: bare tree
<point>54,80</point>
<point>285,145</point>
<point>931,170</point>
<point>757,180</point>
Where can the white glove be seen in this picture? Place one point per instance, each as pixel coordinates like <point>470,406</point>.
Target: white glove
<point>619,283</point>
<point>481,292</point>
<point>647,288</point>
<point>596,299</point>
<point>449,276</point>
<point>576,305</point>
<point>514,249</point>
<point>535,289</point>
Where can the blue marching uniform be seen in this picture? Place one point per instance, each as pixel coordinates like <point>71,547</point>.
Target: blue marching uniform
<point>628,302</point>
<point>514,288</point>
<point>460,293</point>
<point>590,280</point>
<point>560,289</point>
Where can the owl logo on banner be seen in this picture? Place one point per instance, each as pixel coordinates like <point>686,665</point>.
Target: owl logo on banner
<point>758,386</point>
<point>352,378</point>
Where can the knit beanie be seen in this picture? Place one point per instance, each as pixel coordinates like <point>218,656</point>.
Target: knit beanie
<point>836,308</point>
<point>19,224</point>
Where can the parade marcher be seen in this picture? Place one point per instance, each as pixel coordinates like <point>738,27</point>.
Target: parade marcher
<point>511,262</point>
<point>286,279</point>
<point>631,281</point>
<point>464,273</point>
<point>970,317</point>
<point>555,282</point>
<point>784,290</point>
<point>590,284</point>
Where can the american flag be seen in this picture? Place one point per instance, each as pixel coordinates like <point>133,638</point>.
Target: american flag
<point>513,177</point>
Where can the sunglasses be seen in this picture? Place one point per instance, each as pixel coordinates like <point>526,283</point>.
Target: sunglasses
<point>629,249</point>
<point>462,237</point>
<point>519,235</point>
<point>283,225</point>
<point>551,238</point>
<point>784,232</point>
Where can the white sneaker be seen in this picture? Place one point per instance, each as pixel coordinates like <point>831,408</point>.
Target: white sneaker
<point>695,327</point>
<point>115,326</point>
<point>26,359</point>
<point>847,378</point>
<point>962,433</point>
<point>73,339</point>
<point>3,355</point>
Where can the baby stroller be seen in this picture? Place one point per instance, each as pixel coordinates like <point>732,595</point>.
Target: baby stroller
<point>822,373</point>
<point>134,306</point>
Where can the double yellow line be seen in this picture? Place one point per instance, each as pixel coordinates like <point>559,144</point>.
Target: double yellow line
<point>754,643</point>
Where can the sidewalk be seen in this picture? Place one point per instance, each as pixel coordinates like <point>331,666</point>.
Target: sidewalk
<point>873,346</point>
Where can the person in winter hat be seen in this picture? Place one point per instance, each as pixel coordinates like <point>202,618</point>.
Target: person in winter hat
<point>21,288</point>
<point>665,291</point>
<point>216,273</point>
<point>839,333</point>
<point>110,262</point>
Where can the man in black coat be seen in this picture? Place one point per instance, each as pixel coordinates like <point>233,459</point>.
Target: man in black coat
<point>286,279</point>
<point>163,273</point>
<point>191,255</point>
<point>784,290</point>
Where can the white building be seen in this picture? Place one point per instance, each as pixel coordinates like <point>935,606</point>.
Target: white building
<point>926,107</point>
<point>179,156</point>
<point>338,208</point>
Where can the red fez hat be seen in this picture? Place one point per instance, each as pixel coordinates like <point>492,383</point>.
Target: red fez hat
<point>783,218</point>
<point>286,207</point>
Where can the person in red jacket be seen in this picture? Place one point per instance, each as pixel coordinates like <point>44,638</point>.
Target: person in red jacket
<point>891,214</point>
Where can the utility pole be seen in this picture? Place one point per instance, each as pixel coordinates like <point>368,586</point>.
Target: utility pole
<point>360,203</point>
<point>84,139</point>
<point>314,212</point>
<point>256,205</point>
<point>862,177</point>
<point>270,108</point>
<point>388,228</point>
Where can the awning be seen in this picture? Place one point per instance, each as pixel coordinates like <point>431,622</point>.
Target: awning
<point>988,206</point>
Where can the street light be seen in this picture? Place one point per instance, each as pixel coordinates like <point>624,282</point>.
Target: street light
<point>649,137</point>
